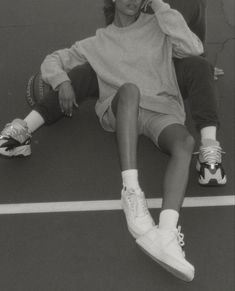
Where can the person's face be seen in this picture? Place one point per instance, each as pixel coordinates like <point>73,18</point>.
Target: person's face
<point>128,7</point>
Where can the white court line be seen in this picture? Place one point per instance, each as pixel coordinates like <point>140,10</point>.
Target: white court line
<point>102,205</point>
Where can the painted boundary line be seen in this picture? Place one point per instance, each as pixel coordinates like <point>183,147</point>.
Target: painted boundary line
<point>104,205</point>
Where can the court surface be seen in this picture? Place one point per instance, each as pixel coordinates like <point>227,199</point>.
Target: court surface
<point>61,225</point>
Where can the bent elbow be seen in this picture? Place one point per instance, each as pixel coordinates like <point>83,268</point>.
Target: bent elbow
<point>198,50</point>
<point>43,71</point>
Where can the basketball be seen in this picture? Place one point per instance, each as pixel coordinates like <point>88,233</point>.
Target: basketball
<point>36,89</point>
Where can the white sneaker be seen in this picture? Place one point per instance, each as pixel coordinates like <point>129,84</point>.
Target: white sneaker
<point>139,219</point>
<point>209,164</point>
<point>165,247</point>
<point>15,139</point>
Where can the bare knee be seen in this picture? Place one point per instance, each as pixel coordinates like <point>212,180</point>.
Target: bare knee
<point>184,146</point>
<point>129,95</point>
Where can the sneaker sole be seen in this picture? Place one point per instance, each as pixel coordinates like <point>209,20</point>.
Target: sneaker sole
<point>135,234</point>
<point>21,152</point>
<point>132,232</point>
<point>177,273</point>
<point>212,182</point>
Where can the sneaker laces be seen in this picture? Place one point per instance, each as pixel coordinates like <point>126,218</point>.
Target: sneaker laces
<point>180,236</point>
<point>16,131</point>
<point>137,203</point>
<point>211,154</point>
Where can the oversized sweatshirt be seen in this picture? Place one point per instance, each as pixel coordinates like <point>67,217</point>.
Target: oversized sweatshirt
<point>140,53</point>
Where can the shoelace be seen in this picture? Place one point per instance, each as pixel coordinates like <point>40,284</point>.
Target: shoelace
<point>137,203</point>
<point>211,154</point>
<point>180,239</point>
<point>16,131</point>
<point>180,236</point>
<point>177,238</point>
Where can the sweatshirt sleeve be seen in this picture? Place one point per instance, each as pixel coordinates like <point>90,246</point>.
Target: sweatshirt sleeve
<point>185,42</point>
<point>55,66</point>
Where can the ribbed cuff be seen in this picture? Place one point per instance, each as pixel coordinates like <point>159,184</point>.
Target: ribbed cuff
<point>157,4</point>
<point>58,79</point>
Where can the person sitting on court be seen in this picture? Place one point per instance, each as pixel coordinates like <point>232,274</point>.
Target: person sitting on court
<point>195,78</point>
<point>138,94</point>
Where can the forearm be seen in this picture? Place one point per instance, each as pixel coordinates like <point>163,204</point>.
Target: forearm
<point>55,66</point>
<point>52,71</point>
<point>185,42</point>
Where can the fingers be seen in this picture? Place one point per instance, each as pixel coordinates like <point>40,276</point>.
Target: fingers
<point>67,99</point>
<point>75,103</point>
<point>217,73</point>
<point>66,106</point>
<point>145,5</point>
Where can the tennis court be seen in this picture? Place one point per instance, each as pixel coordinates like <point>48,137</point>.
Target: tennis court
<point>61,224</point>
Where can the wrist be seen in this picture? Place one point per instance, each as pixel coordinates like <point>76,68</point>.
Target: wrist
<point>156,4</point>
<point>64,83</point>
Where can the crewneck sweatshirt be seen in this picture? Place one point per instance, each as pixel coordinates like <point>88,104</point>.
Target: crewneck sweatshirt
<point>140,53</point>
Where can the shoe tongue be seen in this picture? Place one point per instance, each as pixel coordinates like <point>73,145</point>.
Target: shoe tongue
<point>167,231</point>
<point>19,121</point>
<point>209,142</point>
<point>166,236</point>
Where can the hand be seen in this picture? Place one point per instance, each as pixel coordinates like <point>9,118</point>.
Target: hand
<point>67,98</point>
<point>218,72</point>
<point>145,5</point>
<point>153,4</point>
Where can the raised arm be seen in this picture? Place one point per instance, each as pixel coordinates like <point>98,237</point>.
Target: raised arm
<point>55,66</point>
<point>185,42</point>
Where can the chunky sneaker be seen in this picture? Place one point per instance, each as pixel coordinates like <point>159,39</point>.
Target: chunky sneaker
<point>165,247</point>
<point>139,219</point>
<point>209,164</point>
<point>15,139</point>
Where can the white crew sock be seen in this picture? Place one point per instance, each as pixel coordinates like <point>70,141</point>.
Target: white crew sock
<point>130,179</point>
<point>209,142</point>
<point>208,132</point>
<point>168,219</point>
<point>34,120</point>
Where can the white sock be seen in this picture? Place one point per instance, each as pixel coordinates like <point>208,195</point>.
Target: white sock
<point>209,142</point>
<point>34,120</point>
<point>168,219</point>
<point>130,179</point>
<point>208,132</point>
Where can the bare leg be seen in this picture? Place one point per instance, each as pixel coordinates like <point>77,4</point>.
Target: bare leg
<point>176,141</point>
<point>125,107</point>
<point>165,242</point>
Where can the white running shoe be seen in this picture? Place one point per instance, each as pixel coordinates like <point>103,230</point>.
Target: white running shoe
<point>165,247</point>
<point>209,164</point>
<point>15,139</point>
<point>139,219</point>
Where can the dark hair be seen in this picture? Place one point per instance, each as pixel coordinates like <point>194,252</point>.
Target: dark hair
<point>109,11</point>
